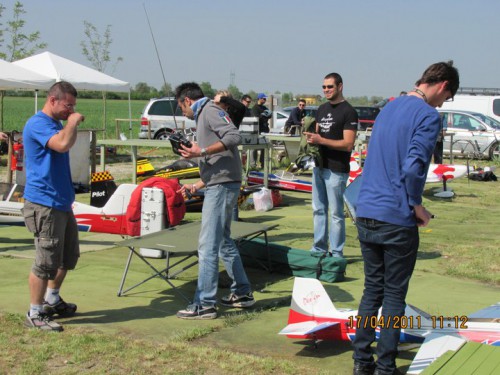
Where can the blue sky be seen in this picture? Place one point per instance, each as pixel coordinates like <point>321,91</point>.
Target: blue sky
<point>379,47</point>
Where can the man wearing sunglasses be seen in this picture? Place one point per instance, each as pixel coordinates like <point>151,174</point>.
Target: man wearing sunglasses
<point>389,211</point>
<point>336,125</point>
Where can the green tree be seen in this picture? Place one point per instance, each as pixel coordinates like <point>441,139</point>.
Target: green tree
<point>166,90</point>
<point>207,89</point>
<point>19,44</point>
<point>96,47</point>
<point>235,92</point>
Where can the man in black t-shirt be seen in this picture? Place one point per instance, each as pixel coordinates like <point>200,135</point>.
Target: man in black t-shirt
<point>336,124</point>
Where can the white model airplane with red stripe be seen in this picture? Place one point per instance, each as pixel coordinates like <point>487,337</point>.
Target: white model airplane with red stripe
<point>313,316</point>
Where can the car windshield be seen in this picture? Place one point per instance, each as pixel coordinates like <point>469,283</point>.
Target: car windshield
<point>489,120</point>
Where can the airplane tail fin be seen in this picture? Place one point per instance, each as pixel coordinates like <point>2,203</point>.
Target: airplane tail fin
<point>102,187</point>
<point>309,300</point>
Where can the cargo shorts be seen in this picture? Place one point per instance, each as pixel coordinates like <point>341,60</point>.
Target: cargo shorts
<point>56,239</point>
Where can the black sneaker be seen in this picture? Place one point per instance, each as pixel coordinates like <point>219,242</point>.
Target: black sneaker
<point>233,300</point>
<point>42,321</point>
<point>197,312</point>
<point>61,308</point>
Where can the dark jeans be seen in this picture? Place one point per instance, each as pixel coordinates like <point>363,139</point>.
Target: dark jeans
<point>389,254</point>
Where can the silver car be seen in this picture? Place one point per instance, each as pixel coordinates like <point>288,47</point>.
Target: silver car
<point>470,134</point>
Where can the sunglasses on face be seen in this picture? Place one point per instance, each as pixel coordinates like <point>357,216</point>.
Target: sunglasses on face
<point>328,86</point>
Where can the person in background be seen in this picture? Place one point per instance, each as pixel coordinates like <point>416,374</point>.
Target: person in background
<point>336,125</point>
<point>236,111</point>
<point>234,108</point>
<point>247,100</point>
<point>263,113</point>
<point>47,211</point>
<point>389,211</point>
<point>296,117</point>
<point>220,172</point>
<point>438,149</point>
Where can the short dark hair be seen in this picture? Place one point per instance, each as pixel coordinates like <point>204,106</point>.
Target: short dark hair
<point>336,77</point>
<point>59,89</point>
<point>189,90</point>
<point>440,72</point>
<point>302,101</point>
<point>246,97</point>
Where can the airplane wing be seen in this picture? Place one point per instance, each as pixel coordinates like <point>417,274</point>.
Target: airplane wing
<point>432,348</point>
<point>306,328</point>
<point>490,312</point>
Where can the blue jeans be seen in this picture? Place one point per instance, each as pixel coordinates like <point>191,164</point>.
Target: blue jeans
<point>215,241</point>
<point>328,195</point>
<point>389,254</point>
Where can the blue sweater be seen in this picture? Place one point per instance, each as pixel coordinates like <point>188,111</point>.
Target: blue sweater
<point>399,154</point>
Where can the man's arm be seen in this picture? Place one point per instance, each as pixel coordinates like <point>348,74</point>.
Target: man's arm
<point>345,144</point>
<point>66,138</point>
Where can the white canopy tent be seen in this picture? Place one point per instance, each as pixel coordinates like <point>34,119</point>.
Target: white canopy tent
<point>13,77</point>
<point>16,77</point>
<point>80,76</point>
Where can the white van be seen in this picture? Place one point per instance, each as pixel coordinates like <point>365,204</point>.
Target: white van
<point>486,104</point>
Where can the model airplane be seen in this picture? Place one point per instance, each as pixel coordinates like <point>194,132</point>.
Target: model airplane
<point>107,219</point>
<point>313,316</point>
<point>288,181</point>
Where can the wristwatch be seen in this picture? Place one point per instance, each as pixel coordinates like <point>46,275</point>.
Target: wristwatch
<point>203,152</point>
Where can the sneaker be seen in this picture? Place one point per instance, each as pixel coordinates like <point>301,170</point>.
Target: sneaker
<point>197,312</point>
<point>233,300</point>
<point>42,321</point>
<point>61,308</point>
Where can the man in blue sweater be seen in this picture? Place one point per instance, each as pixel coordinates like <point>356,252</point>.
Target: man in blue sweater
<point>389,209</point>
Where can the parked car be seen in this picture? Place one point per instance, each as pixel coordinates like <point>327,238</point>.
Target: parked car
<point>279,120</point>
<point>366,116</point>
<point>280,116</point>
<point>469,134</point>
<point>158,115</point>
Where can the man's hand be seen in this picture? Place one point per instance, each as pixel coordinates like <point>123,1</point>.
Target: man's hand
<point>313,138</point>
<point>75,119</point>
<point>422,215</point>
<point>193,152</point>
<point>3,136</point>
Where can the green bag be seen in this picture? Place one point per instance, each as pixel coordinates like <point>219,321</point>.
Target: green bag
<point>290,261</point>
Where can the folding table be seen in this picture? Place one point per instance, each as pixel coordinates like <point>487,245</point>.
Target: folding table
<point>182,241</point>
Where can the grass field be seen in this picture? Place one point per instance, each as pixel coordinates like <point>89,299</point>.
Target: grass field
<point>18,109</point>
<point>457,272</point>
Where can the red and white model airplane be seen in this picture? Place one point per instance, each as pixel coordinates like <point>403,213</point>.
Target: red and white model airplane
<point>107,219</point>
<point>313,316</point>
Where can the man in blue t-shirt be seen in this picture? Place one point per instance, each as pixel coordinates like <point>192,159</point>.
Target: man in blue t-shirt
<point>389,210</point>
<point>48,195</point>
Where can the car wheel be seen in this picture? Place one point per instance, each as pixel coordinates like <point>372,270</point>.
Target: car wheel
<point>495,152</point>
<point>162,135</point>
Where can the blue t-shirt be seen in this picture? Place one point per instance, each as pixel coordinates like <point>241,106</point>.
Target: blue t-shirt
<point>48,174</point>
<point>399,154</point>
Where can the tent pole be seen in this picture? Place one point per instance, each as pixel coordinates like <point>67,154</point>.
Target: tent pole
<point>129,115</point>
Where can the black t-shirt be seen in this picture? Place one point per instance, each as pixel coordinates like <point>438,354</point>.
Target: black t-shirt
<point>331,121</point>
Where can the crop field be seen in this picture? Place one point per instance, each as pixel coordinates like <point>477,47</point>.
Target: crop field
<point>16,110</point>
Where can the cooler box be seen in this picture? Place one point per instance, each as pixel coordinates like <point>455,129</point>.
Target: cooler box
<point>152,217</point>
